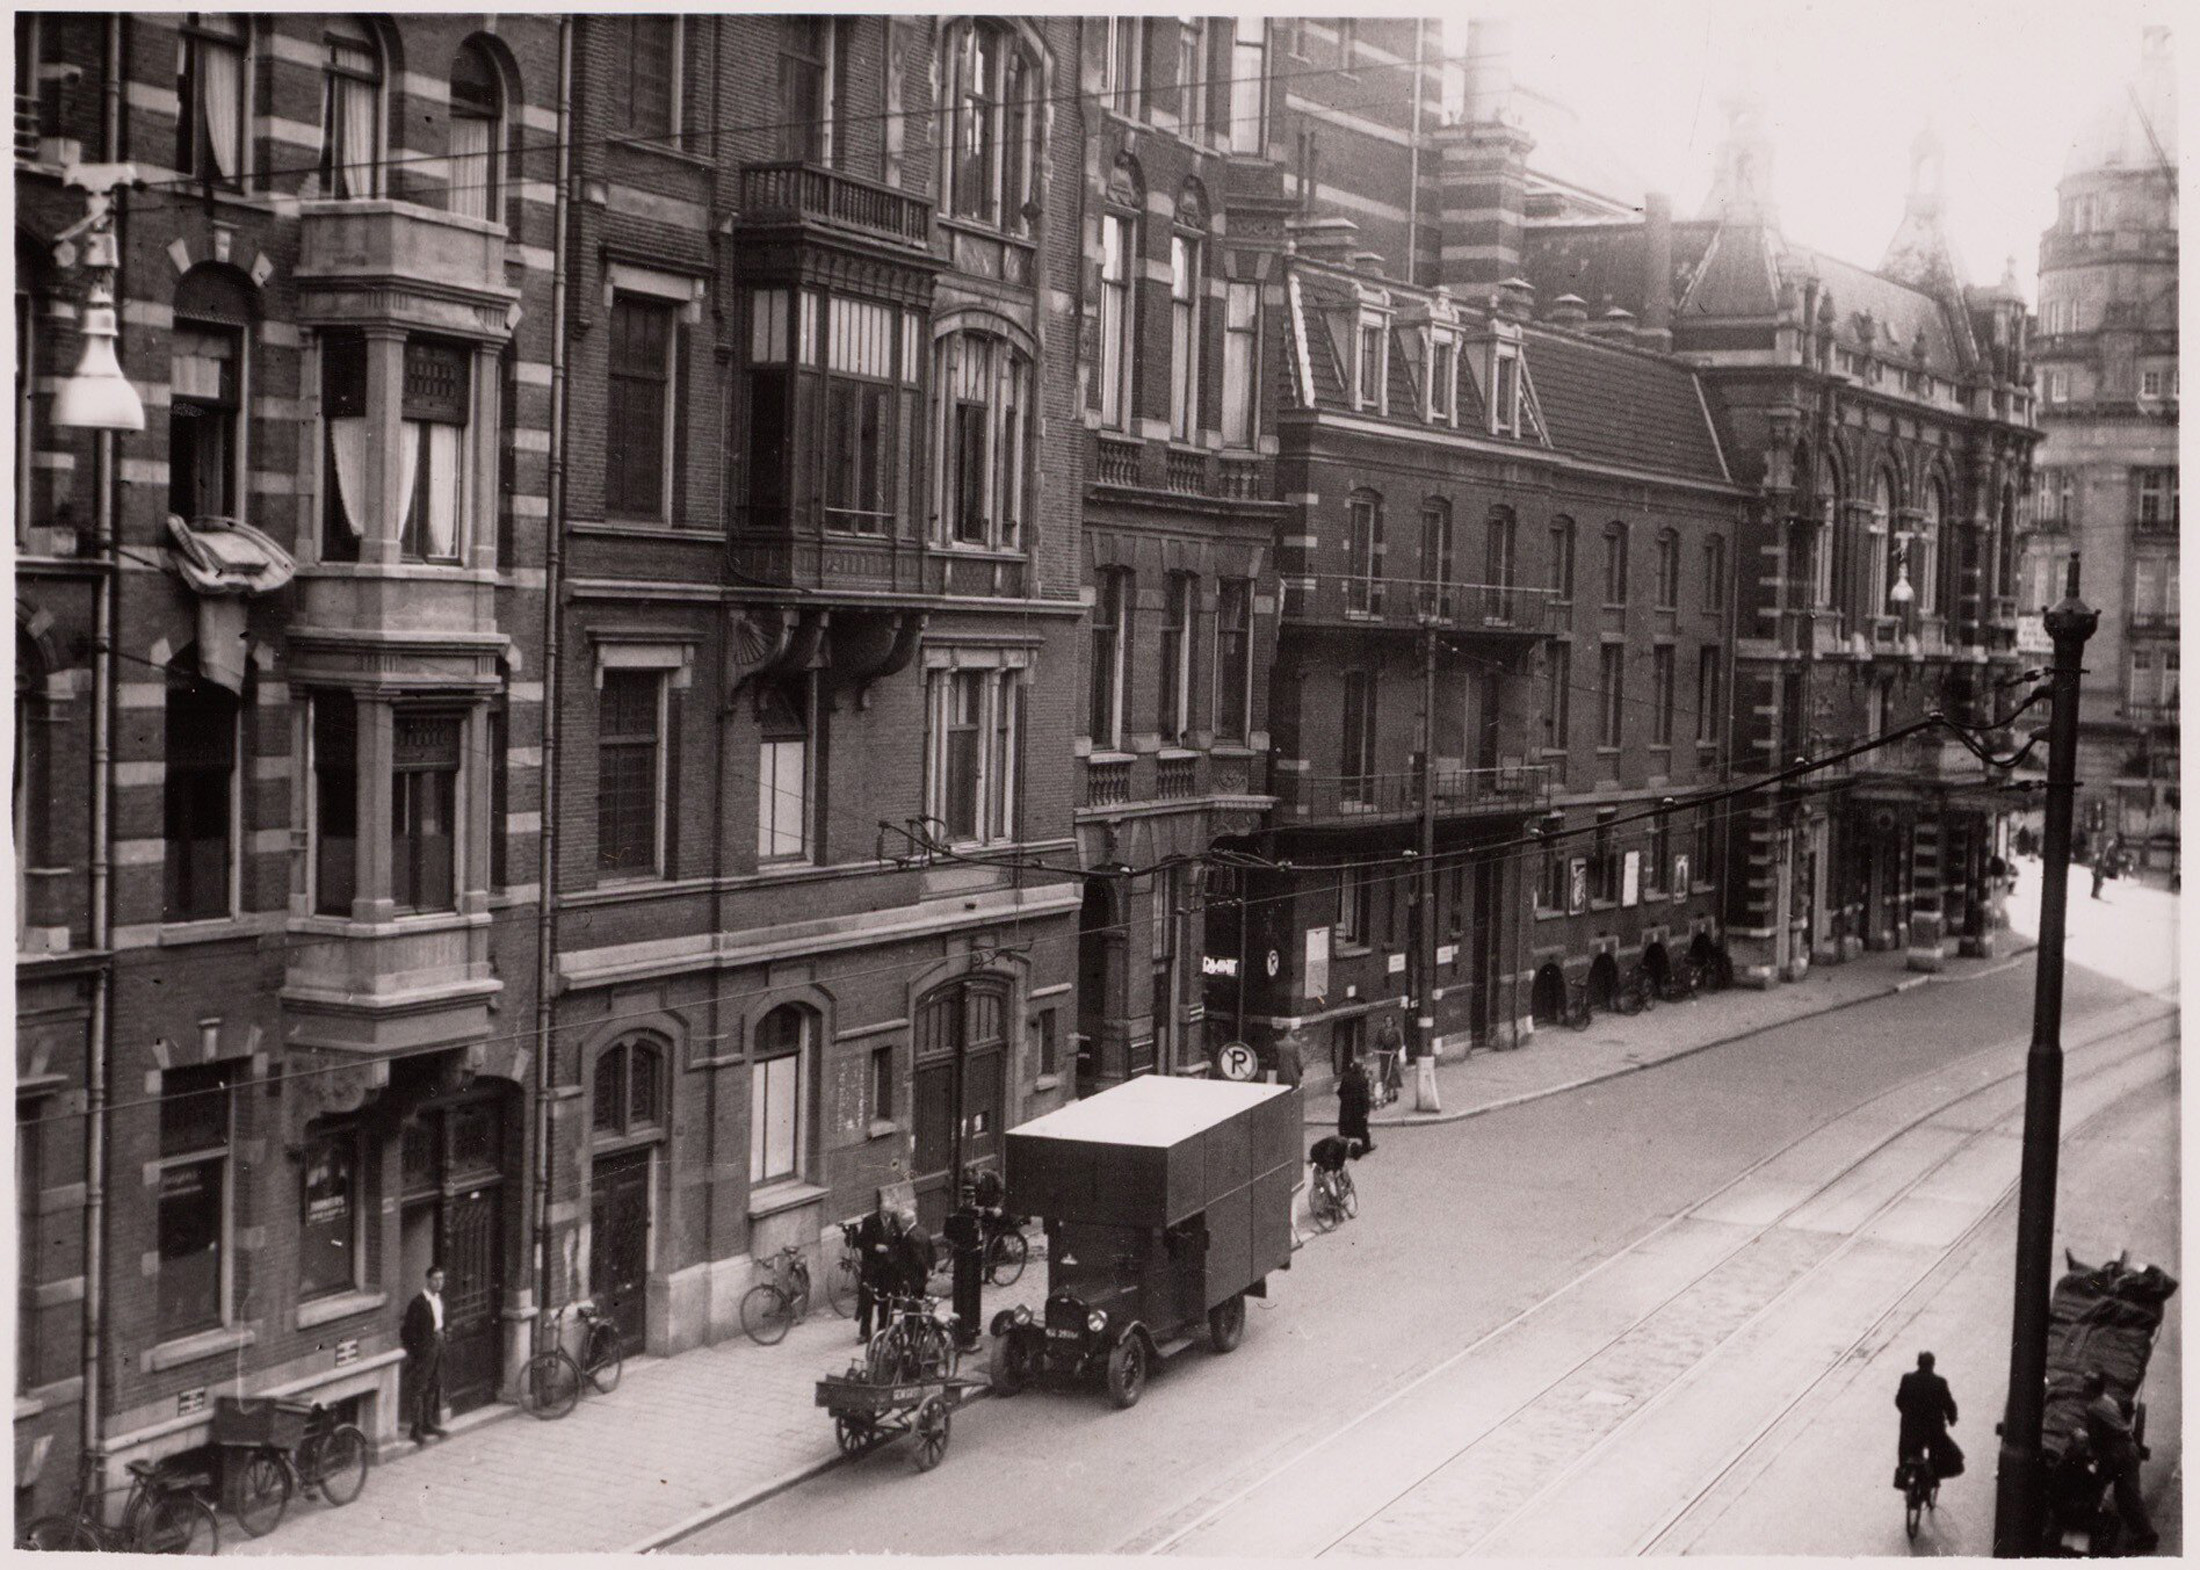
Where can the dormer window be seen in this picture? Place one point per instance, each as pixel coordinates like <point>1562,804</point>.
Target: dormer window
<point>1442,402</point>
<point>1371,364</point>
<point>1505,399</point>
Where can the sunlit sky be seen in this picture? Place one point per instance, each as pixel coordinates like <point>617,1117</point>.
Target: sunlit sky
<point>1846,87</point>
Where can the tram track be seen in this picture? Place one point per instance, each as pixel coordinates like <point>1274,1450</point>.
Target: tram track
<point>1775,1240</point>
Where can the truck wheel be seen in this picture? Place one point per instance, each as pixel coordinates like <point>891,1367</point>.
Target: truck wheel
<point>1012,1370</point>
<point>1226,1323</point>
<point>1127,1371</point>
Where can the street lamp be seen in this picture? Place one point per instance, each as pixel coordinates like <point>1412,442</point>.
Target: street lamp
<point>96,396</point>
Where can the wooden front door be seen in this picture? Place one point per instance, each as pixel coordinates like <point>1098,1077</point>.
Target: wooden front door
<point>959,1093</point>
<point>454,1201</point>
<point>618,1257</point>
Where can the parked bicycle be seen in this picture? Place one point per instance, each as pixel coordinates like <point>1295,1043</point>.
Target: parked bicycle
<point>1006,1248</point>
<point>550,1385</point>
<point>916,1342</point>
<point>305,1451</point>
<point>1578,1011</point>
<point>844,1282</point>
<point>1681,981</point>
<point>769,1308</point>
<point>161,1516</point>
<point>1636,992</point>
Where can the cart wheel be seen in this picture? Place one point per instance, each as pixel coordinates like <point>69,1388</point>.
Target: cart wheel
<point>856,1433</point>
<point>1127,1371</point>
<point>1226,1323</point>
<point>933,1422</point>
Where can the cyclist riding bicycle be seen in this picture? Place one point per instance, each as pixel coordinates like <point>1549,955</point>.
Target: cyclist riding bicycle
<point>1927,1408</point>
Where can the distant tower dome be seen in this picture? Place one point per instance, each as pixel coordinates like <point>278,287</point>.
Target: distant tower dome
<point>2135,127</point>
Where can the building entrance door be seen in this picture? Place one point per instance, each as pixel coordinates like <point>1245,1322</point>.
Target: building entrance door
<point>958,1095</point>
<point>453,1215</point>
<point>618,1250</point>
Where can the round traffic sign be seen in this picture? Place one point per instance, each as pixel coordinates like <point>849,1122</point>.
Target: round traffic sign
<point>1238,1061</point>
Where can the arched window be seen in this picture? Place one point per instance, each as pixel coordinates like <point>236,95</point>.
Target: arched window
<point>1879,567</point>
<point>1714,572</point>
<point>1499,564</point>
<point>212,105</point>
<point>1436,557</point>
<point>630,1088</point>
<point>200,799</point>
<point>983,394</point>
<point>1119,258</point>
<point>1187,296</point>
<point>351,110</point>
<point>207,393</point>
<point>1562,558</point>
<point>1615,563</point>
<point>1669,570</point>
<point>1925,555</point>
<point>992,84</point>
<point>477,133</point>
<point>779,1094</point>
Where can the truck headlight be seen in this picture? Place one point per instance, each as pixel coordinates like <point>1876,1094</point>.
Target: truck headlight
<point>1023,1315</point>
<point>1098,1322</point>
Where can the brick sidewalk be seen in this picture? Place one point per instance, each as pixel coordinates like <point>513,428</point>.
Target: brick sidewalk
<point>692,1437</point>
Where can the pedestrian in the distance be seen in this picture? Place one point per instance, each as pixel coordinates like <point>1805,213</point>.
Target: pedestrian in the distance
<point>423,1336</point>
<point>1353,1100</point>
<point>1390,1047</point>
<point>2104,867</point>
<point>1290,1058</point>
<point>965,1234</point>
<point>874,1241</point>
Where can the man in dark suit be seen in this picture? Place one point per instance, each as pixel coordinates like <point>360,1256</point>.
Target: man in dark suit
<point>423,1336</point>
<point>2118,1453</point>
<point>1927,1407</point>
<point>874,1241</point>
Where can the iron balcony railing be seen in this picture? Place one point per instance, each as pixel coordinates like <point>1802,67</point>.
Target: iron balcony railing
<point>1346,599</point>
<point>766,549</point>
<point>1322,798</point>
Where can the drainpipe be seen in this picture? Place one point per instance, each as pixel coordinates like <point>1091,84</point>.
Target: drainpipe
<point>101,1024</point>
<point>546,929</point>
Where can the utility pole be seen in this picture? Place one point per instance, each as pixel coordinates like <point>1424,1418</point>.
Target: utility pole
<point>1424,946</point>
<point>2017,1484</point>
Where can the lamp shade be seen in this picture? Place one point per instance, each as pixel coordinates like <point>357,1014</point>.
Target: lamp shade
<point>97,396</point>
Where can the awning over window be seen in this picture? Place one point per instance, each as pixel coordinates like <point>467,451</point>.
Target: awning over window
<point>224,562</point>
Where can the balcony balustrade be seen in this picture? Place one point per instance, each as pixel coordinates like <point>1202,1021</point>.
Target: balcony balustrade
<point>1107,781</point>
<point>26,126</point>
<point>1240,480</point>
<point>777,548</point>
<point>358,244</point>
<point>1175,778</point>
<point>1187,474</point>
<point>1336,599</point>
<point>804,193</point>
<point>1117,461</point>
<point>1458,793</point>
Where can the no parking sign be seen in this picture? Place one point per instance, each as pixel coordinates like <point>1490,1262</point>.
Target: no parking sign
<point>1237,1061</point>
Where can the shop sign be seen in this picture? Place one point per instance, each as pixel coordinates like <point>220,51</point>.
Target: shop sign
<point>1317,962</point>
<point>1577,885</point>
<point>1630,879</point>
<point>1218,965</point>
<point>1397,965</point>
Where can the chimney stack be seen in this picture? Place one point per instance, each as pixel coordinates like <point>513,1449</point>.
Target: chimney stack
<point>1618,323</point>
<point>1569,310</point>
<point>1657,270</point>
<point>1515,300</point>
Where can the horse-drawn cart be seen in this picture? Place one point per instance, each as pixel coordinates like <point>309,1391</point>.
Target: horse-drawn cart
<point>2102,1320</point>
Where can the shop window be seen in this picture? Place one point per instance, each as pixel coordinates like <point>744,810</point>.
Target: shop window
<point>332,1222</point>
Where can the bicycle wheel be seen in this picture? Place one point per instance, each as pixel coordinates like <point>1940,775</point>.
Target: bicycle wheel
<point>1649,991</point>
<point>1326,1212</point>
<point>1578,1018</point>
<point>1004,1258</point>
<point>59,1534</point>
<point>340,1464</point>
<point>841,1286</point>
<point>1913,1509</point>
<point>550,1385</point>
<point>263,1493</point>
<point>1348,1194</point>
<point>178,1524</point>
<point>1628,1000</point>
<point>766,1313</point>
<point>606,1357</point>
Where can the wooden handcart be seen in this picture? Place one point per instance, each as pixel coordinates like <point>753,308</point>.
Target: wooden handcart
<point>866,1413</point>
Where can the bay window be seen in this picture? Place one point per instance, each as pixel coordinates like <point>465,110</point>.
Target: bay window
<point>432,450</point>
<point>343,445</point>
<point>973,746</point>
<point>1118,317</point>
<point>351,111</point>
<point>1185,285</point>
<point>1241,364</point>
<point>983,391</point>
<point>424,809</point>
<point>842,372</point>
<point>212,105</point>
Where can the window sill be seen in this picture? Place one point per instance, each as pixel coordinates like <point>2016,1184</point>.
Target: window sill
<point>663,149</point>
<point>1110,756</point>
<point>340,1305</point>
<point>1548,915</point>
<point>1346,950</point>
<point>881,1127</point>
<point>1047,1082</point>
<point>783,1197</point>
<point>1604,904</point>
<point>985,231</point>
<point>182,934</point>
<point>190,1349</point>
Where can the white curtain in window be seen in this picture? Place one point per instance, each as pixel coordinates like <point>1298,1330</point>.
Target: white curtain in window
<point>347,439</point>
<point>470,165</point>
<point>221,88</point>
<point>408,473</point>
<point>446,451</point>
<point>352,115</point>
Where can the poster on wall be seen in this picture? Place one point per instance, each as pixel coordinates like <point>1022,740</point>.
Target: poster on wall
<point>1317,962</point>
<point>1577,885</point>
<point>1680,875</point>
<point>1630,879</point>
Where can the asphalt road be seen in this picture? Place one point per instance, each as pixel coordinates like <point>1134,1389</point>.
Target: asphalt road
<point>1582,1258</point>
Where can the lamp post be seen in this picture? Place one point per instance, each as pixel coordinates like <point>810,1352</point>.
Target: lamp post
<point>2017,1484</point>
<point>97,396</point>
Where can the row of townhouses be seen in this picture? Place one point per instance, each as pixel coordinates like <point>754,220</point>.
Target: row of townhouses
<point>710,611</point>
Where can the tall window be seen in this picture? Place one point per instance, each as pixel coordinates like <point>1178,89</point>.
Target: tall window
<point>1357,761</point>
<point>343,445</point>
<point>1669,570</point>
<point>1233,659</point>
<point>1364,553</point>
<point>201,799</point>
<point>1714,573</point>
<point>1824,538</point>
<point>1118,317</point>
<point>332,1213</point>
<point>1611,694</point>
<point>2157,495</point>
<point>629,1089</point>
<point>1710,696</point>
<point>1185,286</point>
<point>991,89</point>
<point>1353,906</point>
<point>630,777</point>
<point>1175,690</point>
<point>1505,399</point>
<point>2057,487</point>
<point>1436,557</point>
<point>1241,361</point>
<point>1657,857</point>
<point>1110,641</point>
<point>1615,563</point>
<point>205,373</point>
<point>1558,683</point>
<point>212,109</point>
<point>192,1205</point>
<point>1126,63</point>
<point>1248,82</point>
<point>807,46</point>
<point>477,134</point>
<point>351,110</point>
<point>974,752</point>
<point>1499,564</point>
<point>638,455</point>
<point>432,457</point>
<point>1879,572</point>
<point>335,802</point>
<point>861,400</point>
<point>650,49</point>
<point>778,1094</point>
<point>1443,379</point>
<point>424,810</point>
<point>1925,551</point>
<point>1661,686</point>
<point>1562,558</point>
<point>983,390</point>
<point>1371,366</point>
<point>1192,78</point>
<point>784,778</point>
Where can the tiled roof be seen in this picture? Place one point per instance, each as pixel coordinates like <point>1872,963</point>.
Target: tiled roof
<point>1898,311</point>
<point>1612,405</point>
<point>1735,278</point>
<point>1602,262</point>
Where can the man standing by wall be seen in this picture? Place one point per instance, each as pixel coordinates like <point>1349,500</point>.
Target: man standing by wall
<point>422,1335</point>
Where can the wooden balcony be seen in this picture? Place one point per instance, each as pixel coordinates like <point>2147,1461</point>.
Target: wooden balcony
<point>800,193</point>
<point>1362,798</point>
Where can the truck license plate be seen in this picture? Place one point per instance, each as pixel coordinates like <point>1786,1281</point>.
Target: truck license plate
<point>1062,1335</point>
